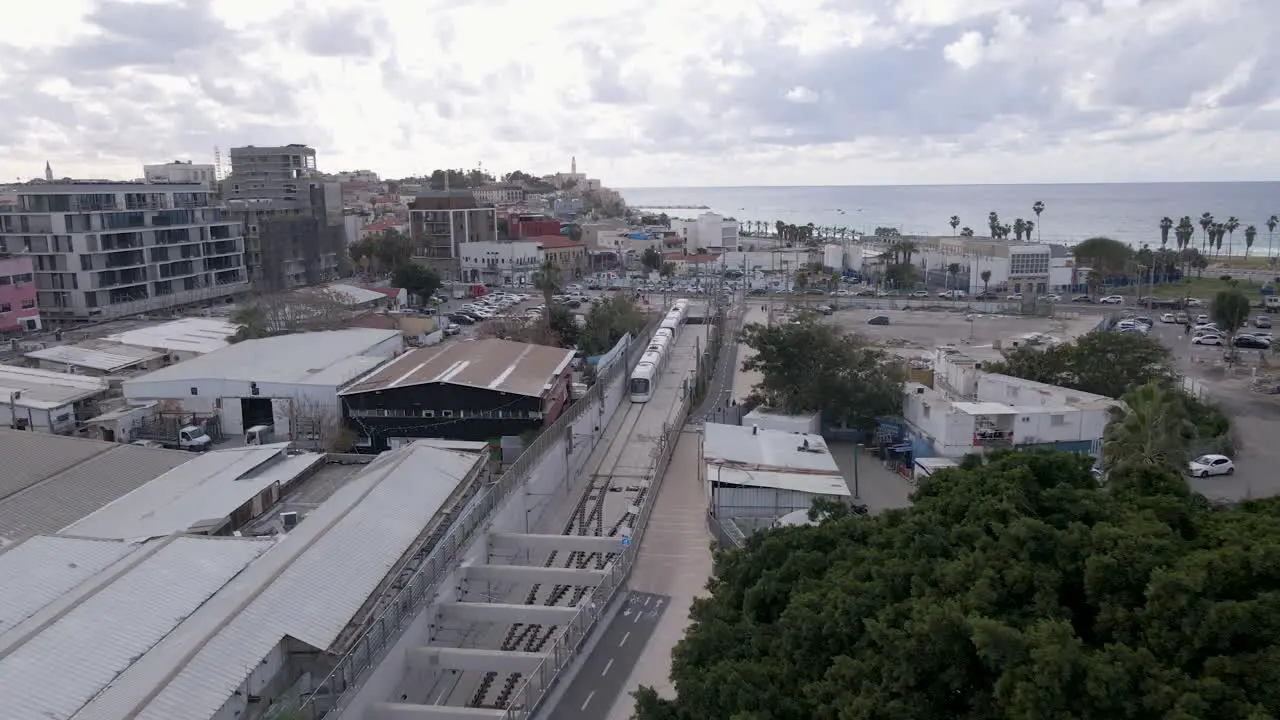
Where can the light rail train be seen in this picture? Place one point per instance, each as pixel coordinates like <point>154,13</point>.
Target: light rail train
<point>656,355</point>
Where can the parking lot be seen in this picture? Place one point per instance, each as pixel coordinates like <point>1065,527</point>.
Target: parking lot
<point>1256,416</point>
<point>913,332</point>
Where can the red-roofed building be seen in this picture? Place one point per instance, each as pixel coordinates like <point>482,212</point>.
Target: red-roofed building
<point>522,226</point>
<point>382,226</point>
<point>569,255</point>
<point>399,296</point>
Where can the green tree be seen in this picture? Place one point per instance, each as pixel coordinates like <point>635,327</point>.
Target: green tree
<point>1037,207</point>
<point>667,270</point>
<point>564,325</point>
<point>651,259</point>
<point>986,280</point>
<point>252,321</point>
<point>1230,310</point>
<point>1272,223</point>
<point>953,271</point>
<point>1250,237</point>
<point>1103,363</point>
<point>607,322</point>
<point>1014,588</point>
<point>966,232</point>
<point>1019,227</point>
<point>1106,257</point>
<point>546,280</point>
<point>1151,428</point>
<point>1206,222</point>
<point>955,223</point>
<point>420,281</point>
<point>809,366</point>
<point>1166,224</point>
<point>1230,226</point>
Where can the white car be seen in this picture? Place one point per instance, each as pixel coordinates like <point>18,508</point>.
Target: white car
<point>1013,296</point>
<point>1207,465</point>
<point>1051,297</point>
<point>1207,340</point>
<point>1112,300</point>
<point>1202,319</point>
<point>1168,318</point>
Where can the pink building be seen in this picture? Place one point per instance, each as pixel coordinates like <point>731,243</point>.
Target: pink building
<point>18,311</point>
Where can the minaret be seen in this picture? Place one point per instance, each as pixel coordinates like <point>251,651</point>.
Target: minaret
<point>48,171</point>
<point>573,165</point>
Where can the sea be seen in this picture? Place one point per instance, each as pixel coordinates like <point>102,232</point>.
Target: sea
<point>1129,212</point>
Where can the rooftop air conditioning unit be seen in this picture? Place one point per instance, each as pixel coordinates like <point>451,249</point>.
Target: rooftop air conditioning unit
<point>289,520</point>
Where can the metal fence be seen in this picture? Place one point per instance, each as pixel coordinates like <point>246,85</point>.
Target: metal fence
<point>568,644</point>
<point>351,670</point>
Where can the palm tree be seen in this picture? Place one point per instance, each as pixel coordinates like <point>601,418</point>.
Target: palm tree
<point>1272,222</point>
<point>1027,227</point>
<point>966,232</point>
<point>986,280</point>
<point>1219,232</point>
<point>953,270</point>
<point>1019,226</point>
<point>547,281</point>
<point>955,223</point>
<point>1166,224</point>
<point>1151,428</point>
<point>1250,234</point>
<point>1232,224</point>
<point>993,222</point>
<point>1206,221</point>
<point>1037,208</point>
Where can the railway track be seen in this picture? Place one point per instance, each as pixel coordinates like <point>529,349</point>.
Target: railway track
<point>587,519</point>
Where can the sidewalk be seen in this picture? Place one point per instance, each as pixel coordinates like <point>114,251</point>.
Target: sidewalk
<point>675,561</point>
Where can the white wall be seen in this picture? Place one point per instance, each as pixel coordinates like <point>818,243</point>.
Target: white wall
<point>933,416</point>
<point>1060,425</point>
<point>755,502</point>
<point>257,682</point>
<point>39,420</point>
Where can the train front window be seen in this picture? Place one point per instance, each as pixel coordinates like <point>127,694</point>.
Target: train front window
<point>639,386</point>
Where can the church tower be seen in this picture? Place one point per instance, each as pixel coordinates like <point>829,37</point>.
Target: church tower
<point>48,171</point>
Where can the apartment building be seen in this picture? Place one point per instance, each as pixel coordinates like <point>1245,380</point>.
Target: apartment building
<point>570,256</point>
<point>708,231</point>
<point>500,194</point>
<point>105,249</point>
<point>500,262</point>
<point>441,221</point>
<point>294,229</point>
<point>18,309</point>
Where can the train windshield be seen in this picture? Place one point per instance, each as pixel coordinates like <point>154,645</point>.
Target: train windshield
<point>639,386</point>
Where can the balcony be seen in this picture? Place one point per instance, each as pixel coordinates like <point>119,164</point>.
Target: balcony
<point>125,259</point>
<point>225,247</point>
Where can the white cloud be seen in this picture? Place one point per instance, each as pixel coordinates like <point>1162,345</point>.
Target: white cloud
<point>654,92</point>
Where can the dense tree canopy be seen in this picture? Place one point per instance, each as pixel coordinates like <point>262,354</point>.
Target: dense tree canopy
<point>810,366</point>
<point>1015,588</point>
<point>1103,363</point>
<point>420,280</point>
<point>607,322</point>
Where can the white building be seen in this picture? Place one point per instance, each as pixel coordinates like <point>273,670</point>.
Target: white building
<point>105,249</point>
<point>500,194</point>
<point>179,171</point>
<point>96,357</point>
<point>708,231</point>
<point>765,474</point>
<point>500,262</point>
<point>271,381</point>
<point>179,339</point>
<point>1028,268</point>
<point>969,410</point>
<point>47,401</point>
<point>215,628</point>
<point>766,419</point>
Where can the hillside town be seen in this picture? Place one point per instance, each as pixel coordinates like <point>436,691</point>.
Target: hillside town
<point>280,443</point>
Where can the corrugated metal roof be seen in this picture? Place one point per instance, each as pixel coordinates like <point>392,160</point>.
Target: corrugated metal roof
<point>200,335</point>
<point>489,364</point>
<point>95,358</point>
<point>304,359</point>
<point>349,295</point>
<point>30,457</point>
<point>800,482</point>
<point>46,567</point>
<point>355,540</point>
<point>765,449</point>
<point>70,495</point>
<point>46,389</point>
<point>70,661</point>
<point>210,486</point>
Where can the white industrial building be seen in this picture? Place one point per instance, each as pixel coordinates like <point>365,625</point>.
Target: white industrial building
<point>179,339</point>
<point>969,410</point>
<point>46,401</point>
<point>766,419</point>
<point>204,628</point>
<point>500,262</point>
<point>709,231</point>
<point>1015,267</point>
<point>96,357</point>
<point>270,381</point>
<point>751,472</point>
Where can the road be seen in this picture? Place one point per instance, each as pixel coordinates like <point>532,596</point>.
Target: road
<point>720,389</point>
<point>604,671</point>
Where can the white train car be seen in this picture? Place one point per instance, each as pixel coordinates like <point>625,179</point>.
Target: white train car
<point>660,343</point>
<point>649,370</point>
<point>645,377</point>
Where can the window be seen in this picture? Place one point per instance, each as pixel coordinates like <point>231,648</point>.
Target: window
<point>446,413</point>
<point>1057,420</point>
<point>195,390</point>
<point>28,304</point>
<point>5,307</point>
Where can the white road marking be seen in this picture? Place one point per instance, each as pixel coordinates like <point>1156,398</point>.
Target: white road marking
<point>624,639</point>
<point>606,667</point>
<point>637,618</point>
<point>647,599</point>
<point>587,702</point>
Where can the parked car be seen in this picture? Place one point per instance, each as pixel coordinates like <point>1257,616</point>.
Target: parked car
<point>1252,342</point>
<point>1144,320</point>
<point>1052,298</point>
<point>1081,299</point>
<point>1207,465</point>
<point>1207,339</point>
<point>986,296</point>
<point>878,320</point>
<point>1013,297</point>
<point>1112,300</point>
<point>1168,318</point>
<point>1201,319</point>
<point>1181,318</point>
<point>1262,321</point>
<point>920,294</point>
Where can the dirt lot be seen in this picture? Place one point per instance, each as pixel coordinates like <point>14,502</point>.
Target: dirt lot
<point>911,332</point>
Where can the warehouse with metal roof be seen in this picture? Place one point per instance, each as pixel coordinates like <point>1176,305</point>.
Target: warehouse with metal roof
<point>46,401</point>
<point>235,631</point>
<point>753,472</point>
<point>50,481</point>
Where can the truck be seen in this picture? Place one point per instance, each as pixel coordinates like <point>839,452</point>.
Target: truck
<point>1271,302</point>
<point>169,432</point>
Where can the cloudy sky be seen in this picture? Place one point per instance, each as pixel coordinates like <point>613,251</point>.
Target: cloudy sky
<point>654,92</point>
